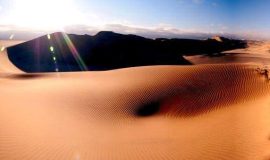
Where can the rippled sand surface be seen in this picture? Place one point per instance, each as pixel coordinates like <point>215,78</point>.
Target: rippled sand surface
<point>162,112</point>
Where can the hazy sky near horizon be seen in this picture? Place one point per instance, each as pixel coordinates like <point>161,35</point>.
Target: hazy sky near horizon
<point>177,16</point>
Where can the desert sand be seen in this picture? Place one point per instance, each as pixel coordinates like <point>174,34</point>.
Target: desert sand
<point>208,111</point>
<point>257,52</point>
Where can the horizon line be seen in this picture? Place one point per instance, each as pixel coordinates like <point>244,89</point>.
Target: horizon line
<point>23,33</point>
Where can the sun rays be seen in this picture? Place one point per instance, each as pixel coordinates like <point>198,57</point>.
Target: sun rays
<point>53,51</point>
<point>75,53</point>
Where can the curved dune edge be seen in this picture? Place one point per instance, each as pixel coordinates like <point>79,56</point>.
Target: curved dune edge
<point>6,66</point>
<point>94,115</point>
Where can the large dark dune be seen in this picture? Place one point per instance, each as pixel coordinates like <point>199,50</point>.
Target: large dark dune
<point>108,50</point>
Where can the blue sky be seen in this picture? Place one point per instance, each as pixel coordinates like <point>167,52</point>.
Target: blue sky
<point>240,17</point>
<point>186,14</point>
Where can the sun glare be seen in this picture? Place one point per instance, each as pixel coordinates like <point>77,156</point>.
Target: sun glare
<point>45,14</point>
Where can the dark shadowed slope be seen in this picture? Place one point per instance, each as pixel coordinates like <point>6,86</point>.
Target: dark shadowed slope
<point>108,50</point>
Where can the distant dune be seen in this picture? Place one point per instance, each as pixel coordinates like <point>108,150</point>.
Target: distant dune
<point>256,52</point>
<point>209,112</point>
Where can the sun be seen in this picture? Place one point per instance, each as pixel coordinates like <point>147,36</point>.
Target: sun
<point>45,14</point>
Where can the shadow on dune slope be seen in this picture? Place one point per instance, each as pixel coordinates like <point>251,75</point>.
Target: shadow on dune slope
<point>203,91</point>
<point>108,50</point>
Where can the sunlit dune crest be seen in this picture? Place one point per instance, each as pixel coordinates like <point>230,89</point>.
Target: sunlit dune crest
<point>217,38</point>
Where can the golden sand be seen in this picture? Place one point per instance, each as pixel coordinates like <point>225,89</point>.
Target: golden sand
<point>200,112</point>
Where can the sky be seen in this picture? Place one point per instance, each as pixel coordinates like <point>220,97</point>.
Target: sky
<point>149,18</point>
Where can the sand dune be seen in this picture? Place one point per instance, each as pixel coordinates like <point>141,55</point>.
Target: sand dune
<point>257,52</point>
<point>254,47</point>
<point>162,112</point>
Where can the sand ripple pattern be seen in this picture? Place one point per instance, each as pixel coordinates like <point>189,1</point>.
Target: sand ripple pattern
<point>160,112</point>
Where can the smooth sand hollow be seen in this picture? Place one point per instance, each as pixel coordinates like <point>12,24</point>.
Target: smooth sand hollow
<point>162,112</point>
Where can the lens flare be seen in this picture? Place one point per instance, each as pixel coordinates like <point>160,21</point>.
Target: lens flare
<point>75,53</point>
<point>2,49</point>
<point>51,48</point>
<point>11,36</point>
